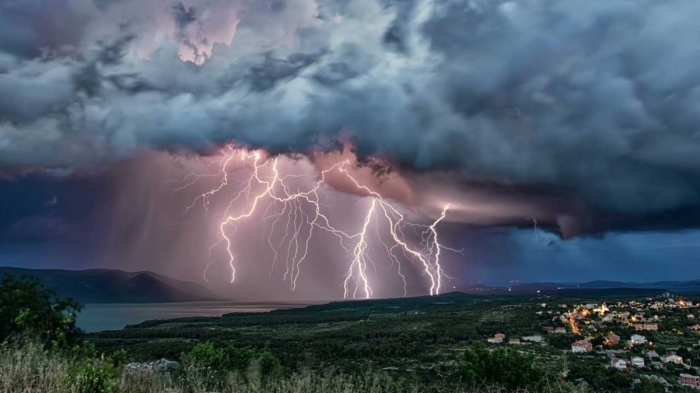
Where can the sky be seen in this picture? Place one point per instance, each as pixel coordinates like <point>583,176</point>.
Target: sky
<point>562,135</point>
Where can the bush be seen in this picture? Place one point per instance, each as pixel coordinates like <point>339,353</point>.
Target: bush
<point>226,358</point>
<point>268,364</point>
<point>27,308</point>
<point>94,376</point>
<point>507,368</point>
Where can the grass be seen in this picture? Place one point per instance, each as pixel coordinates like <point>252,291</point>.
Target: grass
<point>31,369</point>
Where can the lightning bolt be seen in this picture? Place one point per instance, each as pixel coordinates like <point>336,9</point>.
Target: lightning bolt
<point>300,214</point>
<point>535,226</point>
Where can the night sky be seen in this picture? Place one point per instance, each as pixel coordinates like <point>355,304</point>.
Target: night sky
<point>563,135</point>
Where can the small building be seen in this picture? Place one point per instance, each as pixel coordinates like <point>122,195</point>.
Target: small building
<point>515,341</point>
<point>581,346</point>
<point>658,365</point>
<point>695,327</point>
<point>691,316</point>
<point>646,326</point>
<point>638,339</point>
<point>671,358</point>
<point>500,335</point>
<point>692,381</point>
<point>494,340</point>
<point>637,361</point>
<point>618,364</point>
<point>535,338</point>
<point>560,330</point>
<point>612,338</point>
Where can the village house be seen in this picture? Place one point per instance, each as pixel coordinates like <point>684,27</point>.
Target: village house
<point>560,330</point>
<point>581,346</point>
<point>691,316</point>
<point>515,341</point>
<point>637,339</point>
<point>638,361</point>
<point>536,338</point>
<point>500,335</point>
<point>695,327</point>
<point>618,364</point>
<point>612,338</point>
<point>690,380</point>
<point>671,358</point>
<point>646,326</point>
<point>494,340</point>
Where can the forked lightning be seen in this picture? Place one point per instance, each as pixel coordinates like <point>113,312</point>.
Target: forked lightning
<point>302,211</point>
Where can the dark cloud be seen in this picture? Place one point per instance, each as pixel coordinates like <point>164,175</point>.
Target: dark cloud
<point>183,16</point>
<point>595,104</point>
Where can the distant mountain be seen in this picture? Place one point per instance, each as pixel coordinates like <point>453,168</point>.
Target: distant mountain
<point>590,287</point>
<point>116,286</point>
<point>668,285</point>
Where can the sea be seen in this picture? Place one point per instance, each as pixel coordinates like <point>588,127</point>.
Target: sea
<point>99,317</point>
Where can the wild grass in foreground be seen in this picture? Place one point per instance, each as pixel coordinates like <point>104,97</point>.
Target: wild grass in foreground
<point>32,369</point>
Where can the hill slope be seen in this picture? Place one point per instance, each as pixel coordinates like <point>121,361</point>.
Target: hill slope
<point>116,286</point>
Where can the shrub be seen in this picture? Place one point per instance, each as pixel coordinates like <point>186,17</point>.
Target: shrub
<point>94,376</point>
<point>507,368</point>
<point>227,358</point>
<point>268,364</point>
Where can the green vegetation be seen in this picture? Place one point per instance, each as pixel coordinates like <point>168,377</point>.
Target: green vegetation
<point>27,308</point>
<point>428,344</point>
<point>505,367</point>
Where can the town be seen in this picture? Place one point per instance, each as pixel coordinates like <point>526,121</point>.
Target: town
<point>656,338</point>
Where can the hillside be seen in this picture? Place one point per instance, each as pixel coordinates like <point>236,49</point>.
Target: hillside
<point>116,286</point>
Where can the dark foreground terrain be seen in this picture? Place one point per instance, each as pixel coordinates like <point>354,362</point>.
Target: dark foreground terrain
<point>572,340</point>
<point>425,339</point>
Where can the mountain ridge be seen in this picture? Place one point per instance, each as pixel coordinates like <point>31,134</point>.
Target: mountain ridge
<point>116,286</point>
<point>553,287</point>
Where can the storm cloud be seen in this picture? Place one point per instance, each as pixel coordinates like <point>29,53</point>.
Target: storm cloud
<point>588,109</point>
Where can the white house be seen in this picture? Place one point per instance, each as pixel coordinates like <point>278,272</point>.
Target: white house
<point>618,364</point>
<point>581,346</point>
<point>494,340</point>
<point>534,338</point>
<point>671,358</point>
<point>638,339</point>
<point>638,361</point>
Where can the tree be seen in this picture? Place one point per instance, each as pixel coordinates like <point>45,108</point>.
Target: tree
<point>27,308</point>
